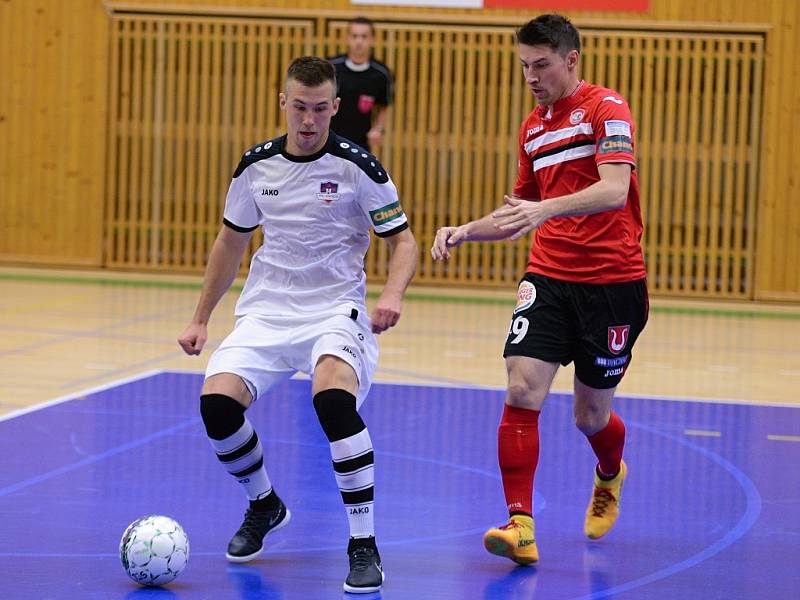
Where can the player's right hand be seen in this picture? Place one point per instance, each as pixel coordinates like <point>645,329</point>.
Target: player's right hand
<point>446,238</point>
<point>193,339</point>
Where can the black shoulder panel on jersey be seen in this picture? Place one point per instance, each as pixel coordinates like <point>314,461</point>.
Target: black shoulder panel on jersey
<point>259,152</point>
<point>344,148</point>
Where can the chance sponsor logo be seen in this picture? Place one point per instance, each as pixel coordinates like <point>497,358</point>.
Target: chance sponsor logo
<point>386,213</point>
<point>615,143</point>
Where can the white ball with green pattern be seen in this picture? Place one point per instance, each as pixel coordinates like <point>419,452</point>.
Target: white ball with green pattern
<point>154,550</point>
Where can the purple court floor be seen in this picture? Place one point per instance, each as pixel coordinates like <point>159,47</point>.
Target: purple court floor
<point>711,507</point>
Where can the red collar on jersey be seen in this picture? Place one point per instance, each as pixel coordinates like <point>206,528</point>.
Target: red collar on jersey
<point>565,103</point>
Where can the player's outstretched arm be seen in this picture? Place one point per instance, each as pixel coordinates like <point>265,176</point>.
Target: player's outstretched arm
<point>609,193</point>
<point>484,229</point>
<point>223,265</point>
<point>402,265</point>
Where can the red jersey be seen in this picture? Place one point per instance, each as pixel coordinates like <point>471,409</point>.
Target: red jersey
<point>559,151</point>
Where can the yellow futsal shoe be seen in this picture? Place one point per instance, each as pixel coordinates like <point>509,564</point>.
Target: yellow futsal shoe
<point>514,540</point>
<point>604,505</point>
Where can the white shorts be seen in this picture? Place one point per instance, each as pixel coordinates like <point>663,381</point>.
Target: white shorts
<point>264,351</point>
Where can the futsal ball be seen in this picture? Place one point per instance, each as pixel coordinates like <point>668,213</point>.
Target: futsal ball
<point>154,550</point>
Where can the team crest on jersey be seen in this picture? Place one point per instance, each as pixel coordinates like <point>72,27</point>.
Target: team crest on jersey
<point>328,192</point>
<point>526,296</point>
<point>618,338</point>
<point>576,116</point>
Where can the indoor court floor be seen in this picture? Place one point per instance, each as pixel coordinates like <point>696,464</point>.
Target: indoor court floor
<point>99,426</point>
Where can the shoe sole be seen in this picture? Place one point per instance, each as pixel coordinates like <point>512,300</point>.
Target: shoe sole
<point>364,590</point>
<point>249,557</point>
<point>500,547</point>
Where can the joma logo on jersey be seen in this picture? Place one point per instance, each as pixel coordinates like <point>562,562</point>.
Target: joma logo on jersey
<point>534,130</point>
<point>269,192</point>
<point>386,213</point>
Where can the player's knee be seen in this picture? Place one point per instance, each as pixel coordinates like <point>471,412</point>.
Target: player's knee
<point>590,419</point>
<point>222,415</point>
<point>336,411</point>
<point>522,396</point>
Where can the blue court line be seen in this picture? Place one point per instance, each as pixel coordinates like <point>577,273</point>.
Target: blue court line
<point>96,457</point>
<point>749,517</point>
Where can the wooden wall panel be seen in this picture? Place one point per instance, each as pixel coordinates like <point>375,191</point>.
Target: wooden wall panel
<point>776,239</point>
<point>450,148</point>
<point>52,126</point>
<point>189,95</point>
<point>53,60</point>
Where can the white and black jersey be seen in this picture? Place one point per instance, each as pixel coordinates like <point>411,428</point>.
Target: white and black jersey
<point>316,212</point>
<point>361,88</point>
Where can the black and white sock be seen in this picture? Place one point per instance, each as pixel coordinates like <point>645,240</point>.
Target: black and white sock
<point>236,444</point>
<point>354,466</point>
<point>353,459</point>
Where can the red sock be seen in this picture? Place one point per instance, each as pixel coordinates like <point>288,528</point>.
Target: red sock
<point>608,443</point>
<point>518,454</point>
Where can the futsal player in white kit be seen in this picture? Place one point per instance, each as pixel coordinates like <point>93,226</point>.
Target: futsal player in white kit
<point>316,196</point>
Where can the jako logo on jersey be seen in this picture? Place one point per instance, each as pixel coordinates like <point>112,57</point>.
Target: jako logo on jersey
<point>328,192</point>
<point>350,352</point>
<point>526,296</point>
<point>386,213</point>
<point>618,338</point>
<point>576,116</point>
<point>612,99</point>
<point>361,510</point>
<point>269,192</point>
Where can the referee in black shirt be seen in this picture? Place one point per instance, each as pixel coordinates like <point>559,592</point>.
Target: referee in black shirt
<point>365,87</point>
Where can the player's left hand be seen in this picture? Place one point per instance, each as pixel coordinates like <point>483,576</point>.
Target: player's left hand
<point>375,137</point>
<point>386,313</point>
<point>520,216</point>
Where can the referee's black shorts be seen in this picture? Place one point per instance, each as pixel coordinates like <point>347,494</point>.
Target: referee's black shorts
<point>594,325</point>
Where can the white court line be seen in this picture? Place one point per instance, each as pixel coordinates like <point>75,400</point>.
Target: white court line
<point>723,368</point>
<point>790,373</point>
<point>702,433</point>
<point>784,438</point>
<point>73,396</point>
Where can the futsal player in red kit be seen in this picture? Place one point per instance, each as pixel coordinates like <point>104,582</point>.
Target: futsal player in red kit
<point>583,297</point>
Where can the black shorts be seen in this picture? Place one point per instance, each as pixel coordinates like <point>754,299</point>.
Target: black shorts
<point>595,325</point>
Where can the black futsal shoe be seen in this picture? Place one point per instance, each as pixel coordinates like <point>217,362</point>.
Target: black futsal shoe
<point>366,574</point>
<point>248,542</point>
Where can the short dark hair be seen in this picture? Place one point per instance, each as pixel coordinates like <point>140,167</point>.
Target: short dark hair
<point>554,31</point>
<point>363,21</point>
<point>311,71</point>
